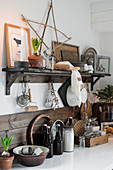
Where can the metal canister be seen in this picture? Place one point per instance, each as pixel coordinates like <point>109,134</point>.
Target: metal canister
<point>68,137</point>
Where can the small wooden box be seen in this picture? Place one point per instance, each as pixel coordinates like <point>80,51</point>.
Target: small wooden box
<point>89,142</point>
<point>96,141</point>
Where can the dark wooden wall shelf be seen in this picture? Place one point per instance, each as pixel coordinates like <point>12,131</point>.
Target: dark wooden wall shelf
<point>40,75</point>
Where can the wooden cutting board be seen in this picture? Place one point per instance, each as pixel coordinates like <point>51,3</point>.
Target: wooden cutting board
<point>87,106</point>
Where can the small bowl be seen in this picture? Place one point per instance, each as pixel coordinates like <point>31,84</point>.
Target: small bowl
<point>30,160</point>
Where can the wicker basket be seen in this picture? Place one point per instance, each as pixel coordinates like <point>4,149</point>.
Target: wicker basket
<point>78,128</point>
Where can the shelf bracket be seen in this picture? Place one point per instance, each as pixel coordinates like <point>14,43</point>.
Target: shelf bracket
<point>10,79</point>
<point>93,82</point>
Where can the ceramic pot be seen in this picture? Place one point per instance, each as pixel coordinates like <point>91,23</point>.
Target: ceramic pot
<point>21,64</point>
<point>30,160</point>
<point>6,162</point>
<point>35,60</point>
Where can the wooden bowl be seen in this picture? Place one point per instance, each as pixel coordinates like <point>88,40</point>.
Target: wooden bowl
<point>30,160</point>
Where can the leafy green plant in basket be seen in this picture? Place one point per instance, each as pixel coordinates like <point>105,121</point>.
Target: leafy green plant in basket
<point>105,94</point>
<point>6,142</point>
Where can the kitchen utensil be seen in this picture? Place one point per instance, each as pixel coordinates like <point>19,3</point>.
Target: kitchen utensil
<point>83,95</point>
<point>81,141</point>
<point>52,100</point>
<point>49,99</point>
<point>87,106</point>
<point>63,90</point>
<point>76,82</point>
<point>30,160</point>
<point>32,106</point>
<point>23,99</point>
<point>72,99</point>
<point>88,133</point>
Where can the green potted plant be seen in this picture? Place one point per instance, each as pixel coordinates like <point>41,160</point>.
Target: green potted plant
<point>105,94</point>
<point>6,159</point>
<point>35,60</point>
<point>105,97</point>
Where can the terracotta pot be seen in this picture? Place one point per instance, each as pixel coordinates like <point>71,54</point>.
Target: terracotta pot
<point>35,60</point>
<point>6,162</point>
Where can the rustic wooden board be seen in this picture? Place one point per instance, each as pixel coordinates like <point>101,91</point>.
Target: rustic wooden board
<point>20,120</point>
<point>42,79</point>
<point>66,52</point>
<point>19,135</point>
<point>17,124</point>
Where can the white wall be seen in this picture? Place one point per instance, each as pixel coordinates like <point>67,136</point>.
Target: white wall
<point>102,22</point>
<point>102,15</point>
<point>106,48</point>
<point>72,17</point>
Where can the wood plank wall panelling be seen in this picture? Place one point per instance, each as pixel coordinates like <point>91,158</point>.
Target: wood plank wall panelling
<point>17,124</point>
<point>42,79</point>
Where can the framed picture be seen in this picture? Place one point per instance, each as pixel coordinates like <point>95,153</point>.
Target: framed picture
<point>17,43</point>
<point>66,52</point>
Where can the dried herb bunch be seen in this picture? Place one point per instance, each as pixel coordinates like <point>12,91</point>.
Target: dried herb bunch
<point>105,94</point>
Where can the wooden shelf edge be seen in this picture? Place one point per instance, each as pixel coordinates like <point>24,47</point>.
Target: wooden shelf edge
<point>46,75</point>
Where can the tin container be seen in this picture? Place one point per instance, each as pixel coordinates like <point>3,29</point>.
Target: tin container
<point>68,138</point>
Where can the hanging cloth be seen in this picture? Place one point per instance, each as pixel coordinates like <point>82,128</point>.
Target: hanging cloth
<point>76,82</point>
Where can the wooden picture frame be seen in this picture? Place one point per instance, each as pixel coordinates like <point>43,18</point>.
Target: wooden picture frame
<point>66,52</point>
<point>17,43</point>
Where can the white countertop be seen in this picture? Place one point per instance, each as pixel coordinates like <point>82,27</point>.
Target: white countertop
<point>95,158</point>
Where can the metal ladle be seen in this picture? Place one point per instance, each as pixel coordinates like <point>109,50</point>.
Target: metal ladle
<point>23,99</point>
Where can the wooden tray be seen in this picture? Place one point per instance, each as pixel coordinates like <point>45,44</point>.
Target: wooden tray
<point>90,142</point>
<point>96,141</point>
